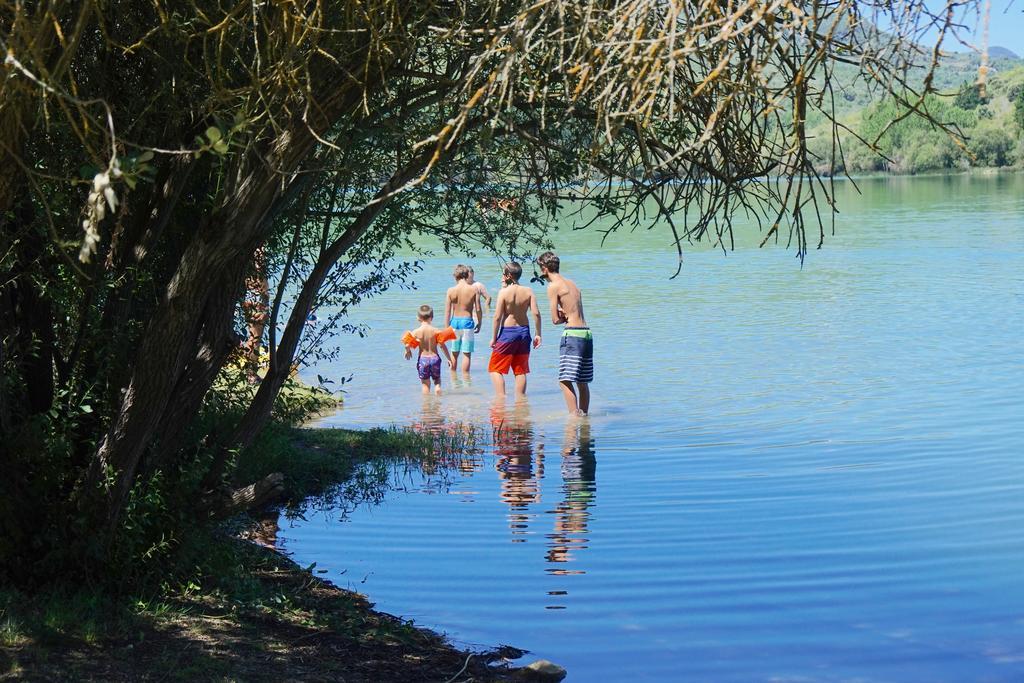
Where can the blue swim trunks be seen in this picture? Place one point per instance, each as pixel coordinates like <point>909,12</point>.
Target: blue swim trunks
<point>464,332</point>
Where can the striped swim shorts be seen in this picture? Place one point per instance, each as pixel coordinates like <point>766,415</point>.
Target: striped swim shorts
<point>576,355</point>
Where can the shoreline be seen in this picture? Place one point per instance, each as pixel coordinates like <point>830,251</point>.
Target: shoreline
<point>292,626</point>
<point>251,613</point>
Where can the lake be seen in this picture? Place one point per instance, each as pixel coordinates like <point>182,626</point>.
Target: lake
<point>790,473</point>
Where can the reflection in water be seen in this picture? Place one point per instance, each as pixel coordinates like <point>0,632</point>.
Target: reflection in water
<point>513,435</point>
<point>520,466</point>
<point>432,420</point>
<point>579,491</point>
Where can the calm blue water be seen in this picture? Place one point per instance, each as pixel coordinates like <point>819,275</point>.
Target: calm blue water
<point>790,474</point>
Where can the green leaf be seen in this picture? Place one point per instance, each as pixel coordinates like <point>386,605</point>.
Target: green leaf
<point>213,134</point>
<point>144,157</point>
<point>87,171</point>
<point>220,146</point>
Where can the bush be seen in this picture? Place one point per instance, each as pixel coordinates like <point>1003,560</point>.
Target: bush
<point>914,145</point>
<point>969,97</point>
<point>991,146</point>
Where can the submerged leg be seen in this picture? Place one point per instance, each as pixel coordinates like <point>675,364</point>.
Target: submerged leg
<point>520,386</point>
<point>426,386</point>
<point>569,394</point>
<point>466,362</point>
<point>584,397</point>
<point>498,380</point>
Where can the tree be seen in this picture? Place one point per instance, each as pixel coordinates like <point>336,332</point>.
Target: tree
<point>149,152</point>
<point>1018,110</point>
<point>970,97</point>
<point>991,146</point>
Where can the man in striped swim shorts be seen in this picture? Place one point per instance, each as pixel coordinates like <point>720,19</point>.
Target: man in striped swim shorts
<point>576,349</point>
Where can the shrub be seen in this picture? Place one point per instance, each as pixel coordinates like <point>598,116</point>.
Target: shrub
<point>991,146</point>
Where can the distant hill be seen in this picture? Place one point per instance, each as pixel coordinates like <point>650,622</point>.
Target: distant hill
<point>996,52</point>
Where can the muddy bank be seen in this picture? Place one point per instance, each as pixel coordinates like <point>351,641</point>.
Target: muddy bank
<point>241,611</point>
<point>283,625</point>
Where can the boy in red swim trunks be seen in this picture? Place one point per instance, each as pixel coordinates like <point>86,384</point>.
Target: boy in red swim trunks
<point>510,338</point>
<point>428,339</point>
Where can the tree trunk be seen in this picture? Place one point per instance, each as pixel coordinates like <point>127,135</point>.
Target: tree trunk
<point>260,408</point>
<point>256,309</point>
<point>171,338</point>
<point>217,341</point>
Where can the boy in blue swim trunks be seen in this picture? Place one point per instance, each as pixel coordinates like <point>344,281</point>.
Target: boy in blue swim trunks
<point>428,339</point>
<point>510,339</point>
<point>461,304</point>
<point>576,349</point>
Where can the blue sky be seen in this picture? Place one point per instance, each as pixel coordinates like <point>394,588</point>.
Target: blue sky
<point>1006,24</point>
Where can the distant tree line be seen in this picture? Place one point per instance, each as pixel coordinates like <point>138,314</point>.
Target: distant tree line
<point>988,125</point>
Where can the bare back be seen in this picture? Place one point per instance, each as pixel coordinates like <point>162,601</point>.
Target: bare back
<point>426,335</point>
<point>566,302</point>
<point>517,302</point>
<point>462,300</point>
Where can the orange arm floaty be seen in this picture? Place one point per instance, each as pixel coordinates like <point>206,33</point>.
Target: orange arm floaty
<point>445,335</point>
<point>410,340</point>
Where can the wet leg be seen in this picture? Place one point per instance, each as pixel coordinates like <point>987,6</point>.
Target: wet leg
<point>426,386</point>
<point>498,380</point>
<point>437,386</point>
<point>521,386</point>
<point>455,361</point>
<point>584,397</point>
<point>466,362</point>
<point>569,394</point>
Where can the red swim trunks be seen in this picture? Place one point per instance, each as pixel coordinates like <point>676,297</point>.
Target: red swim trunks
<point>511,351</point>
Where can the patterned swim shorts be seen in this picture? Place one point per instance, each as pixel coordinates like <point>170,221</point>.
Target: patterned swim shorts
<point>429,367</point>
<point>576,355</point>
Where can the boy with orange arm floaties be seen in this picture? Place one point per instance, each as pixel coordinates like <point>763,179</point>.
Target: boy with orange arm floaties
<point>428,339</point>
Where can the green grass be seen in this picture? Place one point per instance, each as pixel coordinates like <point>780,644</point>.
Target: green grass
<point>334,466</point>
<point>237,603</point>
<point>340,464</point>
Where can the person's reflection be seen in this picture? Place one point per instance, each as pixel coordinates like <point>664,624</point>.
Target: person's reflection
<point>513,435</point>
<point>579,490</point>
